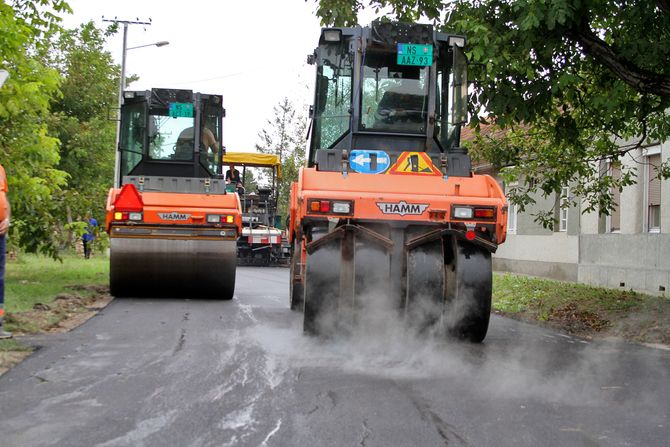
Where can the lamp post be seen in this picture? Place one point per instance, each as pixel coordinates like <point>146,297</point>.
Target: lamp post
<point>122,87</point>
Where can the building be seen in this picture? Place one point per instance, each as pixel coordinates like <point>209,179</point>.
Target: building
<point>629,249</point>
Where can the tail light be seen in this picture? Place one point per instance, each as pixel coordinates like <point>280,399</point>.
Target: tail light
<point>128,205</point>
<point>220,218</point>
<point>123,216</point>
<point>473,212</point>
<point>326,206</point>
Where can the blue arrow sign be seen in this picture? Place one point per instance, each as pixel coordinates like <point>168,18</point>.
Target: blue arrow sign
<point>369,162</point>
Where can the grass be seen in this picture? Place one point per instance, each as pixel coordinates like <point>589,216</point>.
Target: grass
<point>13,345</point>
<point>33,279</point>
<point>518,294</point>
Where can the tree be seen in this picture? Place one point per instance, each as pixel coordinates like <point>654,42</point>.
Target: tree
<point>28,152</point>
<point>80,119</point>
<point>285,136</point>
<point>571,80</point>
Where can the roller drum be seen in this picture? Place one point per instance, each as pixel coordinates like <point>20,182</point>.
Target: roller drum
<point>172,267</point>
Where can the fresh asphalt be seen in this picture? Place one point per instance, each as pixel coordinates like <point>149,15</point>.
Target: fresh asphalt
<point>198,372</point>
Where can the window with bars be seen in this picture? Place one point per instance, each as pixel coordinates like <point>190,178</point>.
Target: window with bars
<point>653,193</point>
<point>563,212</point>
<point>614,219</point>
<point>512,210</point>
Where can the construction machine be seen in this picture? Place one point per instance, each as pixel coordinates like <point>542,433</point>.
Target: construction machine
<point>387,208</point>
<point>173,226</point>
<point>262,242</point>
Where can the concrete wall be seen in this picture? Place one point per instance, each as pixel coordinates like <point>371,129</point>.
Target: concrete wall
<point>554,255</point>
<point>628,261</point>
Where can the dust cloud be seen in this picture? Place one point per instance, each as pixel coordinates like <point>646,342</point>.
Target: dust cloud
<point>380,341</point>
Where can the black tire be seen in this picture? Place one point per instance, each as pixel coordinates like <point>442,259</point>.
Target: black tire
<point>296,289</point>
<point>469,288</point>
<point>425,286</point>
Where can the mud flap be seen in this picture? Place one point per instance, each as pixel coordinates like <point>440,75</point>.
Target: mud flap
<point>469,288</point>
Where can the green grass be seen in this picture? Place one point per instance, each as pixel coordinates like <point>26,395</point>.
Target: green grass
<point>13,345</point>
<point>521,294</point>
<point>35,279</point>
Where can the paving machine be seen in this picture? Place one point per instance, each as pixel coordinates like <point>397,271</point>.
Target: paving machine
<point>387,208</point>
<point>261,242</point>
<point>173,226</point>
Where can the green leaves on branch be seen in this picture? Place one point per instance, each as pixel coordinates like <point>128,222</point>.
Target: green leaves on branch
<point>284,136</point>
<point>565,79</point>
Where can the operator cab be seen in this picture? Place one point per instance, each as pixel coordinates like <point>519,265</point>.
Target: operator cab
<point>389,88</point>
<point>171,133</point>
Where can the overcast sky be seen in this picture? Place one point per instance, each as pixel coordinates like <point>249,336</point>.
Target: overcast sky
<point>252,52</point>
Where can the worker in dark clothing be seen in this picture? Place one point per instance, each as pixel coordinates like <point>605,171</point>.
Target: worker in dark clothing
<point>90,234</point>
<point>233,175</point>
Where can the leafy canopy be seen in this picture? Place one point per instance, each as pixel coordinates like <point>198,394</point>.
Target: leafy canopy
<point>576,83</point>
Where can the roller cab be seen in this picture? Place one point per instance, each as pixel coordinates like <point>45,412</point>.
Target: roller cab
<point>387,209</point>
<point>173,226</point>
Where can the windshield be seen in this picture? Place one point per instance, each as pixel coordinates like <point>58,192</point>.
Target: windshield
<point>333,96</point>
<point>170,138</point>
<point>394,97</point>
<point>150,134</point>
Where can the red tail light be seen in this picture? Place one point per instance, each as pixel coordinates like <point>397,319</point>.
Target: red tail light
<point>485,213</point>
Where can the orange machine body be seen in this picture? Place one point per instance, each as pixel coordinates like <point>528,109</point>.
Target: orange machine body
<point>419,198</point>
<point>185,209</point>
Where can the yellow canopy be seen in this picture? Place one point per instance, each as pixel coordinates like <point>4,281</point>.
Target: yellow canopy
<point>252,159</point>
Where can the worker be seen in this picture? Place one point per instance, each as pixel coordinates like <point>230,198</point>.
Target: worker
<point>233,175</point>
<point>4,227</point>
<point>89,236</point>
<point>184,147</point>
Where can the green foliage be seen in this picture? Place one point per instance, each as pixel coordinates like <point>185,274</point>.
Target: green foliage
<point>285,136</point>
<point>27,151</point>
<point>80,119</point>
<point>571,81</point>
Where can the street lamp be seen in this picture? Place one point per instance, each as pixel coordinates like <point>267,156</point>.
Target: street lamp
<point>122,87</point>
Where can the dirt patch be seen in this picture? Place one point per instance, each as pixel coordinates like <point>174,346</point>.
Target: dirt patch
<point>648,323</point>
<point>10,358</point>
<point>64,313</point>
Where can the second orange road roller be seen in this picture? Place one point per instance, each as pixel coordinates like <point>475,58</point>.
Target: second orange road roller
<point>173,226</point>
<point>387,208</point>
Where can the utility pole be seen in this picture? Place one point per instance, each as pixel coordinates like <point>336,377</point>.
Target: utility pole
<point>122,87</point>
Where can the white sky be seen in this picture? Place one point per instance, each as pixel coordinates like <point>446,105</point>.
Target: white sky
<point>252,52</point>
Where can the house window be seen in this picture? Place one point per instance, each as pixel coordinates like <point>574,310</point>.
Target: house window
<point>653,193</point>
<point>614,219</point>
<point>511,218</point>
<point>563,212</point>
<point>511,210</point>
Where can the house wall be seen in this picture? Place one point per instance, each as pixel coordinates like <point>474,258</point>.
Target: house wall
<point>632,258</point>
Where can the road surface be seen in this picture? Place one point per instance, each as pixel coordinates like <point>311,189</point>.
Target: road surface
<point>175,372</point>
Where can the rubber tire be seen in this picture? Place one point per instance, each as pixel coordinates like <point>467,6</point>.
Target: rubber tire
<point>469,291</point>
<point>296,289</point>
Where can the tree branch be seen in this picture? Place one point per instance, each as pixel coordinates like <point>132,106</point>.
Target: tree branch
<point>642,80</point>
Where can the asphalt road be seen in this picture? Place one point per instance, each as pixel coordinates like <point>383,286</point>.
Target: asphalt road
<point>167,372</point>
